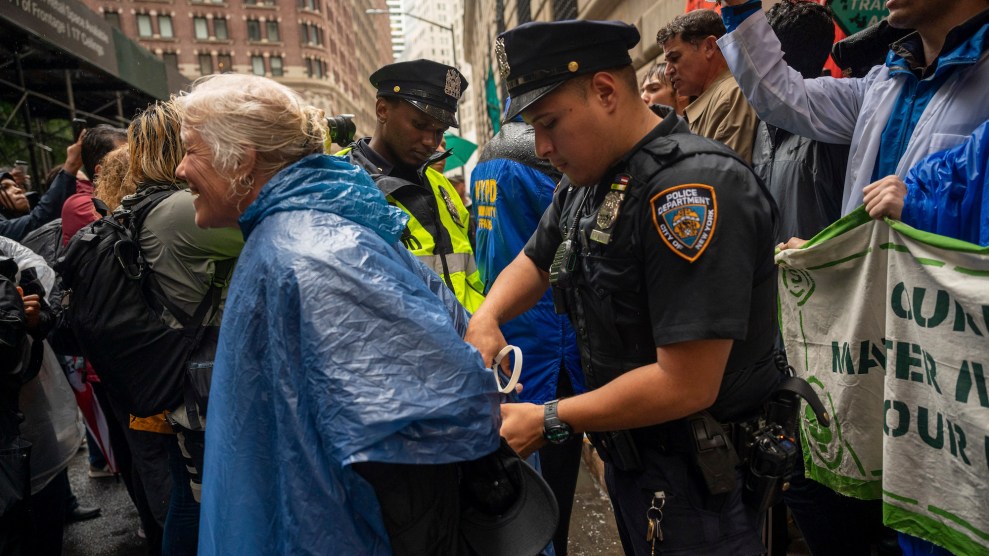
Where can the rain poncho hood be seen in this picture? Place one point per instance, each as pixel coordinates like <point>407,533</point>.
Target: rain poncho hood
<point>337,346</point>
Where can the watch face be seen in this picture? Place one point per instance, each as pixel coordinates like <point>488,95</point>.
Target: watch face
<point>558,434</point>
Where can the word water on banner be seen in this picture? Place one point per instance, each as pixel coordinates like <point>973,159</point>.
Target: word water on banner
<point>891,326</point>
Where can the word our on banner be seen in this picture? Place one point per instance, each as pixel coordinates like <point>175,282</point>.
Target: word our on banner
<point>891,326</point>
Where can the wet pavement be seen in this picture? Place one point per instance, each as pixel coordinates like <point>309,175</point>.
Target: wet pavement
<point>592,524</point>
<point>114,533</point>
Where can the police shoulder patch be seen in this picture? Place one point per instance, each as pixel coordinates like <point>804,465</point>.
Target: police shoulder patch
<point>685,217</point>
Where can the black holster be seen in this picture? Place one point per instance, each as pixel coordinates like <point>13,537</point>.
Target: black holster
<point>712,451</point>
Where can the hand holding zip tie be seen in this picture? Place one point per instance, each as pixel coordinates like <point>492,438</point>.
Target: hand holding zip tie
<point>507,388</point>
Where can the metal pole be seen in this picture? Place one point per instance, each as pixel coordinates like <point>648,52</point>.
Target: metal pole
<point>36,176</point>
<point>69,95</point>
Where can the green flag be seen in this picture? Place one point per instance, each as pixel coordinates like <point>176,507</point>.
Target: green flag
<point>494,105</point>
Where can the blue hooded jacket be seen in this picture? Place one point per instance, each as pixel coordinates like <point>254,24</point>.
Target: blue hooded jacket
<point>337,346</point>
<point>948,192</point>
<point>511,190</point>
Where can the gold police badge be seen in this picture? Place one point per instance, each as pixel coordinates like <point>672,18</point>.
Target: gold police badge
<point>452,87</point>
<point>503,68</point>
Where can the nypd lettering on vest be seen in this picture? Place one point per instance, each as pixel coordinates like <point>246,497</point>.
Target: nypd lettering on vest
<point>685,217</point>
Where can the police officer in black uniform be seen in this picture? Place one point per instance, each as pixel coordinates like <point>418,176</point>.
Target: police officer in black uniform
<point>416,103</point>
<point>659,246</point>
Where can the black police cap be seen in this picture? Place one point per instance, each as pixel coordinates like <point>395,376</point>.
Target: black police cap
<point>430,86</point>
<point>537,57</point>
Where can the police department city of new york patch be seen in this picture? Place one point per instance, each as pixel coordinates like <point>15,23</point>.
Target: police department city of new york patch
<point>685,217</point>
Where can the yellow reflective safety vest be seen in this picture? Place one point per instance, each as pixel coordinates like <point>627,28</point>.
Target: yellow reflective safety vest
<point>437,232</point>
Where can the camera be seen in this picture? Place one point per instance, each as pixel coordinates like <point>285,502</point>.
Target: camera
<point>561,274</point>
<point>771,456</point>
<point>78,124</point>
<point>342,128</point>
<point>564,262</point>
<point>767,444</point>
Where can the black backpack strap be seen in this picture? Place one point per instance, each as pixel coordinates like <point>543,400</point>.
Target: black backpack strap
<point>140,211</point>
<point>134,218</point>
<point>196,401</point>
<point>101,207</point>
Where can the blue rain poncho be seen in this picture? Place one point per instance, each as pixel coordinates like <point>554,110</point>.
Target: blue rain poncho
<point>337,346</point>
<point>948,192</point>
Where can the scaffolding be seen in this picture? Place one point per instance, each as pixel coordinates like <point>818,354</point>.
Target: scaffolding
<point>58,61</point>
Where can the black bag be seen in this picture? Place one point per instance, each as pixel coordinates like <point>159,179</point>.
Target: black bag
<point>114,306</point>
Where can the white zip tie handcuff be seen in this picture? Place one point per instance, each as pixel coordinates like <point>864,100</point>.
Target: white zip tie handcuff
<point>513,380</point>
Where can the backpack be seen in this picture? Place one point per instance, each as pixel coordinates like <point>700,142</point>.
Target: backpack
<point>46,241</point>
<point>114,306</point>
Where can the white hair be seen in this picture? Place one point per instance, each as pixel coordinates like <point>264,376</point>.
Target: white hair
<point>235,112</point>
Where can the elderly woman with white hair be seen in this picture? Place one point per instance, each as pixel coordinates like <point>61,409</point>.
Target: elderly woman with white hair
<point>341,382</point>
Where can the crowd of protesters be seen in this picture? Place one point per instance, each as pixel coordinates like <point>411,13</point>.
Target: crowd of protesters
<point>348,414</point>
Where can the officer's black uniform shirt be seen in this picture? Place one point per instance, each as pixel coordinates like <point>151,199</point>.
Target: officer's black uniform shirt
<point>641,290</point>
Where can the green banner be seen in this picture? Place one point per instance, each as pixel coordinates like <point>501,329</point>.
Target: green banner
<point>891,327</point>
<point>854,15</point>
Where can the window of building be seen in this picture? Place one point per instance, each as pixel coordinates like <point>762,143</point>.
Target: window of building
<point>315,68</point>
<point>220,29</point>
<point>205,64</point>
<point>113,18</point>
<point>170,59</point>
<point>257,65</point>
<point>201,28</point>
<point>250,2</point>
<point>275,63</point>
<point>144,26</point>
<point>165,26</point>
<point>315,37</point>
<point>224,63</point>
<point>309,5</point>
<point>253,30</point>
<point>273,31</point>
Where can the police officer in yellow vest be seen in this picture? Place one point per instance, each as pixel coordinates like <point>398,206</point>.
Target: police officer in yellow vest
<point>417,102</point>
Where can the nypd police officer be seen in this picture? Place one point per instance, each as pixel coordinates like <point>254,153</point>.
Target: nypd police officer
<point>416,103</point>
<point>658,244</point>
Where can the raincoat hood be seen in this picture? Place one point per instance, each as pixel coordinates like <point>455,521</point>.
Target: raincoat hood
<point>327,184</point>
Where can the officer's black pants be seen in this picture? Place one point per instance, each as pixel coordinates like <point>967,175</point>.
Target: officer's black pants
<point>693,523</point>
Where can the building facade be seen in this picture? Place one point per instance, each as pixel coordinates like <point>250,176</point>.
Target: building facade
<point>324,49</point>
<point>485,19</point>
<point>396,20</point>
<point>434,30</point>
